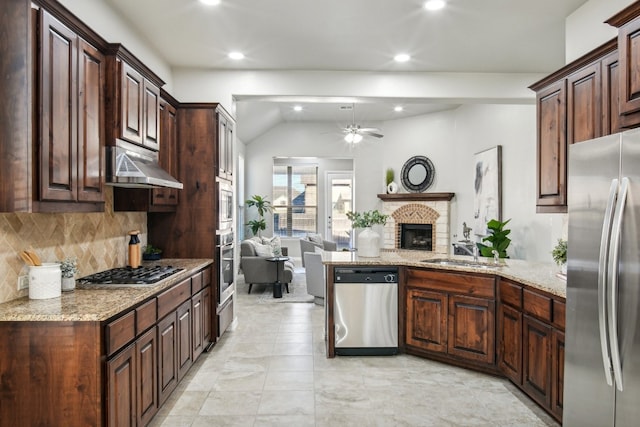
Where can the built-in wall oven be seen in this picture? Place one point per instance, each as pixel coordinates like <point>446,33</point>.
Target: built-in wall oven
<point>225,205</point>
<point>225,286</point>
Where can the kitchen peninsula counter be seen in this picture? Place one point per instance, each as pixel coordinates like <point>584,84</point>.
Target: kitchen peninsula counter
<point>96,302</point>
<point>538,275</point>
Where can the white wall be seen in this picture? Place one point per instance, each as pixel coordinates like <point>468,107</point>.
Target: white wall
<point>585,28</point>
<point>449,139</point>
<point>115,29</point>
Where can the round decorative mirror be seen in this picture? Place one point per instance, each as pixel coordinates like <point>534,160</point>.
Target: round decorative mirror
<point>417,174</point>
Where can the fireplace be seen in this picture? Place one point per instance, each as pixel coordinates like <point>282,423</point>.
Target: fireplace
<point>416,237</point>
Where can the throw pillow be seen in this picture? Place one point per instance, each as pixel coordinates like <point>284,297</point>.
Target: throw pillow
<point>315,238</point>
<point>275,244</point>
<point>263,250</point>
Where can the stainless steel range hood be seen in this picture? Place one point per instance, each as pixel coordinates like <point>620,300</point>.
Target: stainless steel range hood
<point>131,166</point>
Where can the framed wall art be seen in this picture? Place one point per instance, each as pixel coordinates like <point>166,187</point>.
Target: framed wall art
<point>487,200</point>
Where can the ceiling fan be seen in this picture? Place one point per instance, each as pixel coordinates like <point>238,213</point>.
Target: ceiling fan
<point>354,133</point>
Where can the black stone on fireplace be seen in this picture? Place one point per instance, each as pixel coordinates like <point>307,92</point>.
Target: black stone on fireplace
<point>416,237</point>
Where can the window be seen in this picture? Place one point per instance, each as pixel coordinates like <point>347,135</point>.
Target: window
<point>295,198</point>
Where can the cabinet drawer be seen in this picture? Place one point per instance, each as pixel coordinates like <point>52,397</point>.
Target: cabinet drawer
<point>559,314</point>
<point>510,293</point>
<point>146,316</point>
<point>206,277</point>
<point>172,298</point>
<point>461,284</point>
<point>120,331</point>
<point>537,305</point>
<point>196,282</point>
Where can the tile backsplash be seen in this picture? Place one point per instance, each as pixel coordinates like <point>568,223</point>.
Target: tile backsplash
<point>98,240</point>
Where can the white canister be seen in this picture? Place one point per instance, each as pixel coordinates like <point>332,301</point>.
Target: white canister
<point>45,281</point>
<point>368,243</point>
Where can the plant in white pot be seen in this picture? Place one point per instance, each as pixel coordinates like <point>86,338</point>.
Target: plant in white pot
<point>69,268</point>
<point>368,240</point>
<point>559,254</point>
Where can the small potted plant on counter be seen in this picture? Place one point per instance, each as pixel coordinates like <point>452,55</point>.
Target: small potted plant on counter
<point>368,240</point>
<point>498,239</point>
<point>559,254</point>
<point>69,268</point>
<point>151,253</point>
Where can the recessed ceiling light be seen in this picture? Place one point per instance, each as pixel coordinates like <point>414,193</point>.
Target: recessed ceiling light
<point>297,108</point>
<point>402,57</point>
<point>398,108</point>
<point>210,2</point>
<point>236,55</point>
<point>434,4</point>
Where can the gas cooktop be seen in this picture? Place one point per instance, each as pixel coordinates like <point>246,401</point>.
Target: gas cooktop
<point>127,276</point>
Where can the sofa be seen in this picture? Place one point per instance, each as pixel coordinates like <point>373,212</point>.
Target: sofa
<point>313,241</point>
<point>256,268</point>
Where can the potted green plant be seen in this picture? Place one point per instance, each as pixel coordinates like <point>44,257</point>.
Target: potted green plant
<point>498,239</point>
<point>392,187</point>
<point>263,206</point>
<point>559,254</point>
<point>151,253</point>
<point>368,240</point>
<point>69,268</point>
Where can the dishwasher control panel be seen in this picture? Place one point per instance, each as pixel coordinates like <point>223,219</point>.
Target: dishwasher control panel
<point>366,275</point>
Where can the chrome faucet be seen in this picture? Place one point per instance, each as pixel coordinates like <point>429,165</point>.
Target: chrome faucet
<point>496,257</point>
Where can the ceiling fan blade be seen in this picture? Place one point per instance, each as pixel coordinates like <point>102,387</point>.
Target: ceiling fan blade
<point>369,130</point>
<point>374,134</point>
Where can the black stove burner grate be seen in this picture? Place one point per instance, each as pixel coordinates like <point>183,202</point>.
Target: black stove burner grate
<point>130,276</point>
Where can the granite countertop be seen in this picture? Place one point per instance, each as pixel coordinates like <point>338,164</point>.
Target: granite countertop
<point>538,275</point>
<point>95,303</point>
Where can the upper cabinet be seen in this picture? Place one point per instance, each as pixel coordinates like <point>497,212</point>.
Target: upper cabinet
<point>225,144</point>
<point>69,123</point>
<point>133,107</point>
<point>577,103</point>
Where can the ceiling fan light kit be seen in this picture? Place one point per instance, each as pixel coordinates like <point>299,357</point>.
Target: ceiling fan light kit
<point>354,133</point>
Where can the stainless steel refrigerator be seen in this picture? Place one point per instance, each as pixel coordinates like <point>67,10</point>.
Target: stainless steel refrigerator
<point>602,353</point>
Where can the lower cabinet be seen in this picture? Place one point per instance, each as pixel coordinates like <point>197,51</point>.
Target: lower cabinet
<point>142,375</point>
<point>452,314</point>
<point>536,375</point>
<point>510,343</point>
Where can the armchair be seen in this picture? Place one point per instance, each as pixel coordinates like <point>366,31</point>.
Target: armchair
<point>257,269</point>
<point>308,245</point>
<point>315,273</point>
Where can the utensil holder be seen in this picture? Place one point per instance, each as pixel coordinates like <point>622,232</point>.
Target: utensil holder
<point>45,281</point>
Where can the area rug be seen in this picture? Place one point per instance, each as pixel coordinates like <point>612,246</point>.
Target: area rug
<point>264,293</point>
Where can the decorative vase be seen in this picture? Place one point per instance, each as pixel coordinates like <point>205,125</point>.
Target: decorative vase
<point>368,243</point>
<point>68,283</point>
<point>563,268</point>
<point>392,188</point>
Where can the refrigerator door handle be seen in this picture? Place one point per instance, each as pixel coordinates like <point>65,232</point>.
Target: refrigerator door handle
<point>613,269</point>
<point>602,281</point>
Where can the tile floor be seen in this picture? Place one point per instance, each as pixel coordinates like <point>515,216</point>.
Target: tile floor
<point>272,371</point>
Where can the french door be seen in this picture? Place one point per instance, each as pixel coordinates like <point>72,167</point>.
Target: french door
<point>339,202</point>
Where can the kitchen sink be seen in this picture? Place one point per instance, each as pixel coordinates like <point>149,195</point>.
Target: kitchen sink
<point>462,263</point>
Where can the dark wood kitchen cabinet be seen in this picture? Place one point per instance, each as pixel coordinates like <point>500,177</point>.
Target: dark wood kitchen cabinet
<point>121,395</point>
<point>510,330</point>
<point>536,375</point>
<point>451,314</point>
<point>70,123</point>
<point>167,357</point>
<point>133,107</point>
<point>225,144</point>
<point>185,328</point>
<point>146,377</point>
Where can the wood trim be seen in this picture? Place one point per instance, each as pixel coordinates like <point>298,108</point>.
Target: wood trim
<point>122,52</point>
<point>625,15</point>
<point>416,197</point>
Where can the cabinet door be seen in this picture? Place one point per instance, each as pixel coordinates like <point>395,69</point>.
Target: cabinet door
<point>91,125</point>
<point>197,308</point>
<point>228,141</point>
<point>557,373</point>
<point>167,357</point>
<point>552,149</point>
<point>58,122</point>
<point>584,104</point>
<point>132,104</point>
<point>471,328</point>
<point>610,94</point>
<point>510,343</point>
<point>168,155</point>
<point>629,51</point>
<point>222,146</point>
<point>426,323</point>
<point>121,389</point>
<point>147,377</point>
<point>206,316</point>
<point>536,379</point>
<point>184,338</point>
<point>151,116</point>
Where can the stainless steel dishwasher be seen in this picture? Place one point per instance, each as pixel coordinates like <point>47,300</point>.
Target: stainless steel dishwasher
<point>366,310</point>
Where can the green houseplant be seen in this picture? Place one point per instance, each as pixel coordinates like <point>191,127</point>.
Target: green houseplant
<point>559,254</point>
<point>498,239</point>
<point>263,206</point>
<point>151,253</point>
